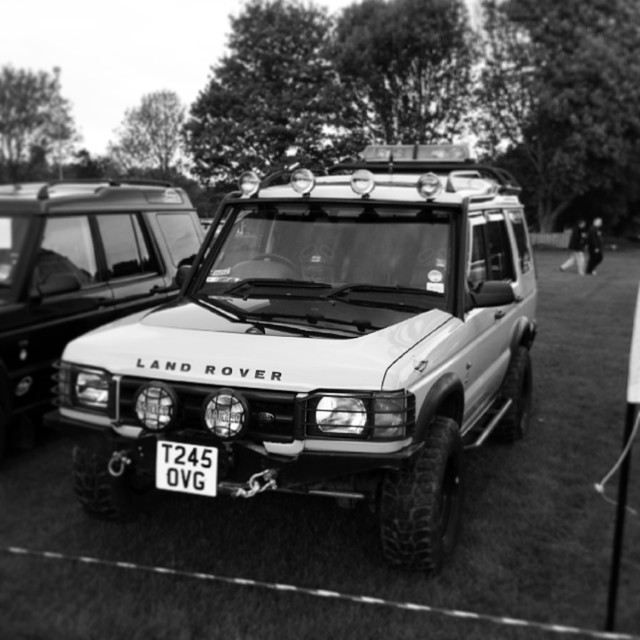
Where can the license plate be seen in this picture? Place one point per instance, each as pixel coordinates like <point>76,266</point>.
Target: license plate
<point>188,468</point>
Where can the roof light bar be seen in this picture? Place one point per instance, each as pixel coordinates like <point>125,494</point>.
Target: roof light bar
<point>249,183</point>
<point>303,181</point>
<point>363,182</point>
<point>429,185</point>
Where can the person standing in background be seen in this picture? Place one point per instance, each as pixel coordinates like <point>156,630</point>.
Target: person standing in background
<point>594,246</point>
<point>577,246</point>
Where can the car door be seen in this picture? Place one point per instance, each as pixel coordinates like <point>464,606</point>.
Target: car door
<point>488,329</point>
<point>133,267</point>
<point>67,298</point>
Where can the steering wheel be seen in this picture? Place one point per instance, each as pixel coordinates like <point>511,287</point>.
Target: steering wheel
<point>275,257</point>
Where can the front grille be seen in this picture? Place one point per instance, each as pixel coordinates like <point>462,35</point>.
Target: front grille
<point>271,413</point>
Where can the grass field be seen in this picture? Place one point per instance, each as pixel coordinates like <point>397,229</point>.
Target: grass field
<point>536,543</point>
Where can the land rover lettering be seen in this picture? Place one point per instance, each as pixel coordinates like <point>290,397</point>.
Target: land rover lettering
<point>243,372</point>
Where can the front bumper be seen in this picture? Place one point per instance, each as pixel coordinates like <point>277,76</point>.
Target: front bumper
<point>239,460</point>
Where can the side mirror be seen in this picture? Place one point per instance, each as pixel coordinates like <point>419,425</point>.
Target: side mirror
<point>493,294</point>
<point>182,274</point>
<point>58,283</point>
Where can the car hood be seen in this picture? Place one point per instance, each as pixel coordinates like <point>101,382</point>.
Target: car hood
<point>189,343</point>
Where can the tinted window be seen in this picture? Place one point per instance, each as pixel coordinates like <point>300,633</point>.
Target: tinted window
<point>181,237</point>
<point>67,248</point>
<point>500,256</point>
<point>520,232</point>
<point>126,248</point>
<point>478,258</point>
<point>12,235</point>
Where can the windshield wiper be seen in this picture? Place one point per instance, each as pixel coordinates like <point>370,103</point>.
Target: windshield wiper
<point>361,324</point>
<point>373,288</point>
<point>257,320</point>
<point>346,290</point>
<point>243,288</point>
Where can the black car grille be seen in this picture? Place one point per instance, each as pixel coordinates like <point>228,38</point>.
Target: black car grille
<point>271,413</point>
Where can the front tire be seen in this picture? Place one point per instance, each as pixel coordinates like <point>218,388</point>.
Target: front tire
<point>421,506</point>
<point>100,494</point>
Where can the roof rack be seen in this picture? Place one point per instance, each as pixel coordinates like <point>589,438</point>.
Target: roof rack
<point>43,192</point>
<point>425,158</point>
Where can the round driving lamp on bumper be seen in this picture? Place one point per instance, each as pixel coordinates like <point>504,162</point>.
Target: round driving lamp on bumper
<point>156,405</point>
<point>225,414</point>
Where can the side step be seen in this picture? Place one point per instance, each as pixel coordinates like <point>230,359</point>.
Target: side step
<point>488,428</point>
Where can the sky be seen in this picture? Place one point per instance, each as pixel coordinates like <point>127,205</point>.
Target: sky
<point>111,54</point>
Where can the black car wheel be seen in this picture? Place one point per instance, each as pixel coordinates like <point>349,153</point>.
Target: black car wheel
<point>420,507</point>
<point>102,495</point>
<point>517,387</point>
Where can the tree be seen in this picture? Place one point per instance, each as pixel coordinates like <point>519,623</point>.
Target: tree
<point>273,99</point>
<point>409,65</point>
<point>150,135</point>
<point>35,121</point>
<point>562,82</point>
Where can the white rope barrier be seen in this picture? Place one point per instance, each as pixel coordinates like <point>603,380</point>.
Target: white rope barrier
<point>323,593</point>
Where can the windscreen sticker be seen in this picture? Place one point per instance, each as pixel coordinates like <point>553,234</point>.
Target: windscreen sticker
<point>434,275</point>
<point>441,263</point>
<point>435,287</point>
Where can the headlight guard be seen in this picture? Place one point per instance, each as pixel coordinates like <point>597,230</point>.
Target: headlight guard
<point>363,416</point>
<point>85,388</point>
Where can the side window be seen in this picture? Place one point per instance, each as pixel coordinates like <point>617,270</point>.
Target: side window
<point>478,256</point>
<point>126,249</point>
<point>500,255</point>
<point>521,235</point>
<point>67,248</point>
<point>181,237</point>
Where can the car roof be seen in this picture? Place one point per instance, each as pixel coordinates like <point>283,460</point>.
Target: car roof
<point>65,196</point>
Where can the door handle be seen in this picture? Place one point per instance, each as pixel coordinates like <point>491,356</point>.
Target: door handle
<point>499,314</point>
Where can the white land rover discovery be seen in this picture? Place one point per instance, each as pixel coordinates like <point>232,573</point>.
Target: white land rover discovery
<point>344,335</point>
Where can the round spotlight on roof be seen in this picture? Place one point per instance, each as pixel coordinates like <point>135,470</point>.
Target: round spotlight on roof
<point>249,183</point>
<point>429,185</point>
<point>303,181</point>
<point>363,182</point>
<point>156,405</point>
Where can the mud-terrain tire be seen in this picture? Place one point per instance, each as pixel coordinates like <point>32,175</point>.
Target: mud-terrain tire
<point>517,387</point>
<point>421,506</point>
<point>100,494</point>
<point>4,431</point>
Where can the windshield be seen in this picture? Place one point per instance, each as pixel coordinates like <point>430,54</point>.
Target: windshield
<point>12,236</point>
<point>349,267</point>
<point>338,245</point>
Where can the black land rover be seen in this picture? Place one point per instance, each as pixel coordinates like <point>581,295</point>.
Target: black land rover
<point>73,256</point>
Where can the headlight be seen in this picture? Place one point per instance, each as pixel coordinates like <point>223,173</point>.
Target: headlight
<point>91,389</point>
<point>366,415</point>
<point>336,414</point>
<point>390,416</point>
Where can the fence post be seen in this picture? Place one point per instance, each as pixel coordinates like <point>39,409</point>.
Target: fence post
<point>633,400</point>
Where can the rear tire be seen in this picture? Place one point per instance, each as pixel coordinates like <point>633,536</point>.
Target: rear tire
<point>517,387</point>
<point>100,494</point>
<point>421,506</point>
<point>4,431</point>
